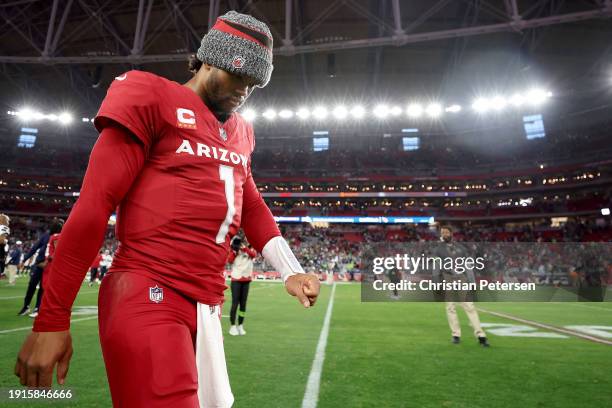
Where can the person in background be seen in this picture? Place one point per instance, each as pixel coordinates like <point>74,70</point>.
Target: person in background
<point>13,263</point>
<point>4,233</point>
<point>49,253</point>
<point>241,257</point>
<point>38,265</point>
<point>93,270</point>
<point>459,297</point>
<point>105,264</point>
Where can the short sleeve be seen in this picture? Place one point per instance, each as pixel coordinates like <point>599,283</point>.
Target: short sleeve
<point>132,101</point>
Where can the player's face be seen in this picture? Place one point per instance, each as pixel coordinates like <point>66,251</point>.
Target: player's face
<point>227,92</point>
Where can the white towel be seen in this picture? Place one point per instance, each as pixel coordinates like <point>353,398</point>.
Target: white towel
<point>214,389</point>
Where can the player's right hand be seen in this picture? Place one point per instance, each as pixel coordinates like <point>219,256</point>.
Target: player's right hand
<point>39,355</point>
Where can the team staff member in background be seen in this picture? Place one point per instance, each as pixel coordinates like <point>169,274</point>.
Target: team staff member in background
<point>57,225</point>
<point>4,233</point>
<point>105,264</point>
<point>174,161</point>
<point>36,272</point>
<point>241,257</point>
<point>13,262</point>
<point>94,269</point>
<point>453,297</point>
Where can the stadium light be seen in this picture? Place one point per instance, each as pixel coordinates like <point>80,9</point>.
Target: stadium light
<point>517,100</point>
<point>414,110</point>
<point>498,103</point>
<point>357,112</point>
<point>605,211</point>
<point>396,111</point>
<point>320,112</point>
<point>85,119</point>
<point>285,114</point>
<point>434,110</point>
<point>269,114</point>
<point>537,96</point>
<point>340,112</point>
<point>65,118</point>
<point>248,114</point>
<point>481,105</point>
<point>25,114</point>
<point>454,108</point>
<point>303,113</point>
<point>381,111</point>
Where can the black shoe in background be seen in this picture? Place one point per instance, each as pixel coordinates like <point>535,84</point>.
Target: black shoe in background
<point>483,342</point>
<point>456,339</point>
<point>24,311</point>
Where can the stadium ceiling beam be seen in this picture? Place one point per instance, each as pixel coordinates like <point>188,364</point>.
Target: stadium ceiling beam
<point>425,16</point>
<point>288,19</point>
<point>397,18</point>
<point>378,52</point>
<point>512,10</point>
<point>60,28</point>
<point>17,3</point>
<point>173,7</point>
<point>103,21</point>
<point>317,21</point>
<point>398,41</point>
<point>29,39</point>
<point>142,23</point>
<point>50,28</point>
<point>299,12</point>
<point>373,18</point>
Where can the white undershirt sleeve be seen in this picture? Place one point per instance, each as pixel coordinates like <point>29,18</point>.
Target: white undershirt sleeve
<point>278,254</point>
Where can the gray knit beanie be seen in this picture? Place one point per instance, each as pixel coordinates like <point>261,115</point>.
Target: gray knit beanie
<point>240,44</point>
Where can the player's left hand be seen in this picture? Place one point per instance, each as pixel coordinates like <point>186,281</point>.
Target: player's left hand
<point>305,287</point>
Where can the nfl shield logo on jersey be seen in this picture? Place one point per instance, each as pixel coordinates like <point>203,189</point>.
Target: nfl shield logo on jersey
<point>222,134</point>
<point>156,294</point>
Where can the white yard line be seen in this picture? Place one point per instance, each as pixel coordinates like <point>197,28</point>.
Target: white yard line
<point>549,327</point>
<point>311,396</point>
<point>30,327</point>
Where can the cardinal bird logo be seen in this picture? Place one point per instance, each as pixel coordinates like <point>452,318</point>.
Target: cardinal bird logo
<point>238,62</point>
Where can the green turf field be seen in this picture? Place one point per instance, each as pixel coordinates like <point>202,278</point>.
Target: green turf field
<point>377,354</point>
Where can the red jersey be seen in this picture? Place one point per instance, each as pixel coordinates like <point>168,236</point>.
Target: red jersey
<point>53,240</point>
<point>177,219</point>
<point>180,193</point>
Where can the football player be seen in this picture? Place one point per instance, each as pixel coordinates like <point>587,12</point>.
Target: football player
<point>174,162</point>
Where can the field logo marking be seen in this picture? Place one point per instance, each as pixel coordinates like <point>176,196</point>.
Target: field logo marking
<point>549,327</point>
<point>515,330</point>
<point>311,396</point>
<point>599,331</point>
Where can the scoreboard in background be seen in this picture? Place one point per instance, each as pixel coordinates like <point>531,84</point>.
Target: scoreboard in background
<point>27,138</point>
<point>534,126</point>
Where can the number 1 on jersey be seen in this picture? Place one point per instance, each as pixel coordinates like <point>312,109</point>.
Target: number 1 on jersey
<point>226,173</point>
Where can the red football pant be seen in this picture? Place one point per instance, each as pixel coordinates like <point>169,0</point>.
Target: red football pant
<point>148,346</point>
